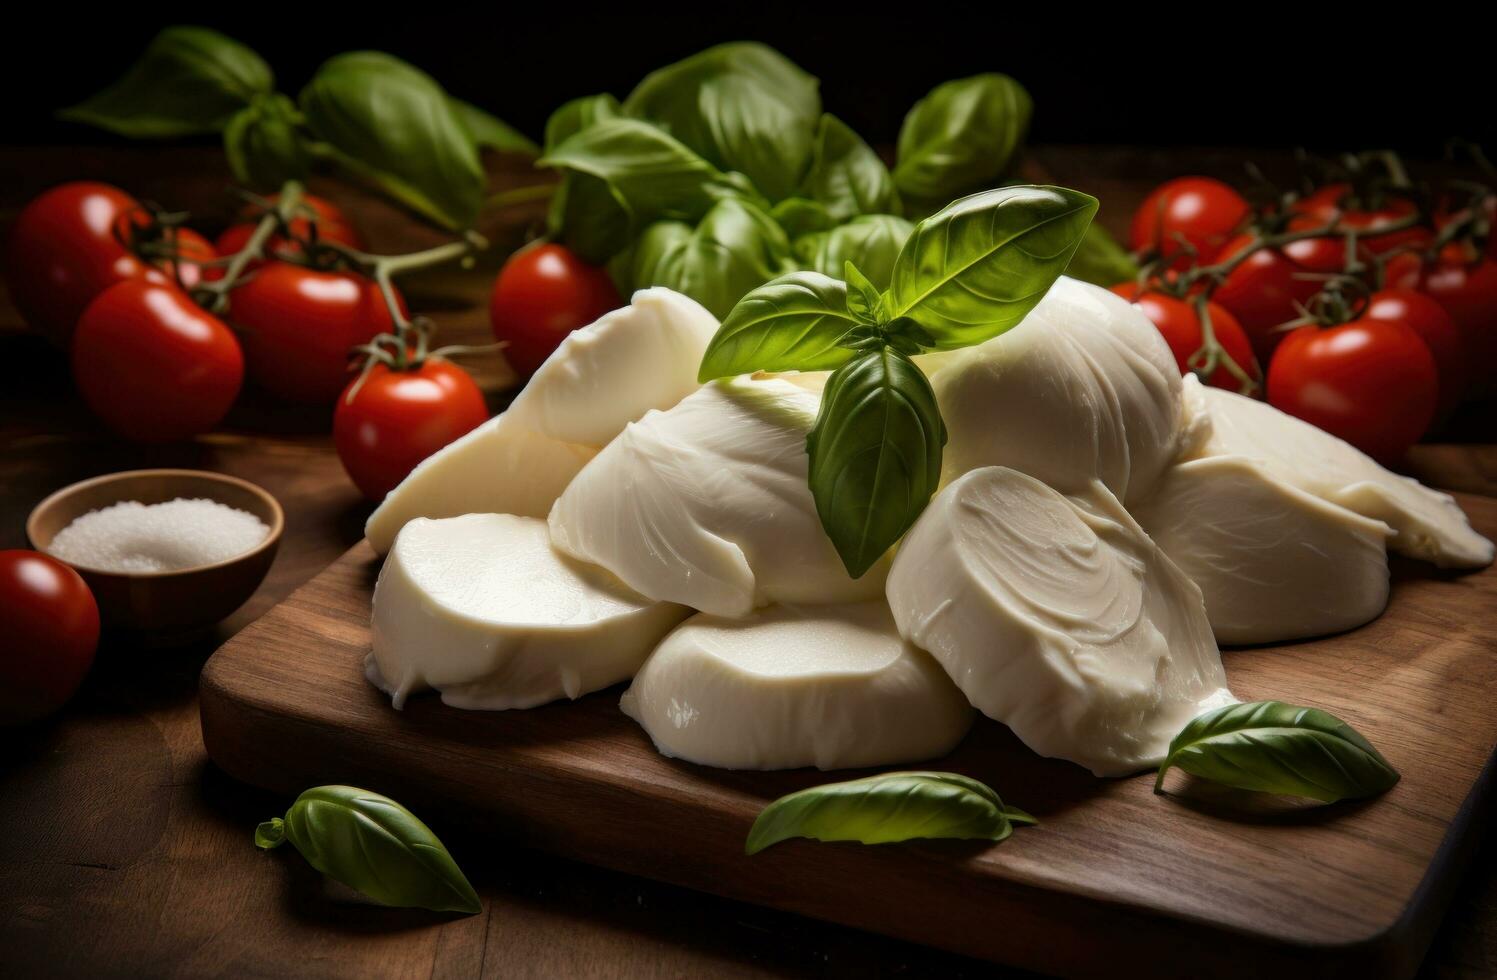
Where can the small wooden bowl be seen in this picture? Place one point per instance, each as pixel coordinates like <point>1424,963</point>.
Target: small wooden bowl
<point>165,602</point>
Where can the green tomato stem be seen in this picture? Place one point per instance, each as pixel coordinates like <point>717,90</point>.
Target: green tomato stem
<point>215,295</point>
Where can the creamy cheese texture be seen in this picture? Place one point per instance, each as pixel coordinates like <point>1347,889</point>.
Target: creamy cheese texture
<point>1273,563</point>
<point>483,609</point>
<point>641,357</point>
<point>1059,617</point>
<point>1083,388</point>
<point>1426,524</point>
<point>829,686</point>
<point>706,504</point>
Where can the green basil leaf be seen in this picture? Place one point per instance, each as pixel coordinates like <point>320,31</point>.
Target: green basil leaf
<point>871,241</point>
<point>492,132</point>
<point>892,807</point>
<point>793,323</point>
<point>588,218</point>
<point>735,248</point>
<point>864,300</point>
<point>976,267</point>
<point>571,118</point>
<point>961,136</point>
<point>1272,747</point>
<point>189,80</point>
<point>742,106</point>
<point>1101,260</point>
<point>263,144</point>
<point>875,454</point>
<point>846,176</point>
<point>392,124</point>
<point>652,174</point>
<point>372,844</point>
<point>801,216</point>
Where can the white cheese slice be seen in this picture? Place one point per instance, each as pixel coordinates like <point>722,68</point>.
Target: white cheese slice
<point>1058,617</point>
<point>1273,562</point>
<point>1426,524</point>
<point>483,609</point>
<point>707,505</point>
<point>827,686</point>
<point>1083,388</point>
<point>602,377</point>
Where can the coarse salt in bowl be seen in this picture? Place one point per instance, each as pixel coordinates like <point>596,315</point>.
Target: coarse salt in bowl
<point>167,537</point>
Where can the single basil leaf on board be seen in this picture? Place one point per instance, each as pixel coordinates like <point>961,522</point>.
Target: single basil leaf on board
<point>846,176</point>
<point>875,454</point>
<point>189,80</point>
<point>793,323</point>
<point>492,132</point>
<point>263,144</point>
<point>372,844</point>
<point>888,808</point>
<point>801,216</point>
<point>864,300</point>
<point>872,242</point>
<point>1272,747</point>
<point>742,106</point>
<point>1101,260</point>
<point>391,123</point>
<point>961,136</point>
<point>571,118</point>
<point>735,248</point>
<point>652,174</point>
<point>976,267</point>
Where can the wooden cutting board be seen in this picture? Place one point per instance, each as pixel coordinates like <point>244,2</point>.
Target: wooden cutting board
<point>1114,878</point>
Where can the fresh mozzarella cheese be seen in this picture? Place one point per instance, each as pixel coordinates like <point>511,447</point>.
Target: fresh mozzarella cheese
<point>827,686</point>
<point>483,609</point>
<point>1083,388</point>
<point>1058,617</point>
<point>1426,524</point>
<point>707,505</point>
<point>1273,562</point>
<point>602,377</point>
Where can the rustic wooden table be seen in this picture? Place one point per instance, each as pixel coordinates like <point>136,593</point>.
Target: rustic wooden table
<point>123,851</point>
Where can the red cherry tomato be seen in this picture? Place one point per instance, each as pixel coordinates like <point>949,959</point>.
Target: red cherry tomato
<point>64,250</point>
<point>332,225</point>
<point>1434,326</point>
<point>153,365</point>
<point>1335,202</point>
<point>51,627</point>
<point>542,294</point>
<point>1466,286</point>
<point>1205,212</point>
<point>391,420</point>
<point>1371,382</point>
<point>297,326</point>
<point>1263,291</point>
<point>1181,328</point>
<point>193,251</point>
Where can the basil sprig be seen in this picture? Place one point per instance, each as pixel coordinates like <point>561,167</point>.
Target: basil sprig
<point>964,275</point>
<point>888,808</point>
<point>1272,747</point>
<point>372,844</point>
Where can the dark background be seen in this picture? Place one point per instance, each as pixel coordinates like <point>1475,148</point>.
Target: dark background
<point>1226,75</point>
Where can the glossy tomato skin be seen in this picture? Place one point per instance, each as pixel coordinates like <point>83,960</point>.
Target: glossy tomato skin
<point>1263,291</point>
<point>543,293</point>
<point>1371,382</point>
<point>1333,202</point>
<point>1178,323</point>
<point>154,365</point>
<point>1202,210</point>
<point>1439,333</point>
<point>332,221</point>
<point>1466,286</point>
<point>50,623</point>
<point>391,420</point>
<point>64,250</point>
<point>298,325</point>
<point>193,250</point>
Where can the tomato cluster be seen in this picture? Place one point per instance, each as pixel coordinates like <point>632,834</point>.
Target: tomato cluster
<point>1410,323</point>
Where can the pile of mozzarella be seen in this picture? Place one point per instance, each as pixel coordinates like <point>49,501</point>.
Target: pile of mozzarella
<point>1101,526</point>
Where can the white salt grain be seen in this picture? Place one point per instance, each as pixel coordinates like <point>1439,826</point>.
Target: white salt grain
<point>178,534</point>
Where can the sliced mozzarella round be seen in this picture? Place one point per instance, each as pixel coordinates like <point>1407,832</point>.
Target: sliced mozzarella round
<point>1426,524</point>
<point>1058,617</point>
<point>827,686</point>
<point>483,609</point>
<point>602,377</point>
<point>707,505</point>
<point>1084,388</point>
<point>1273,562</point>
